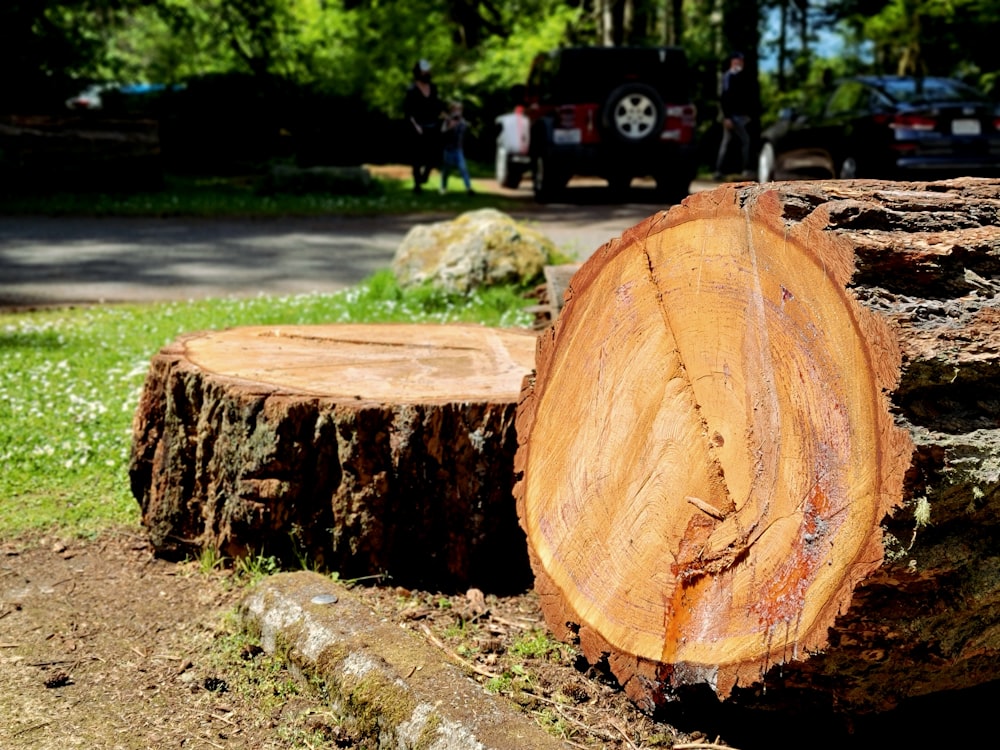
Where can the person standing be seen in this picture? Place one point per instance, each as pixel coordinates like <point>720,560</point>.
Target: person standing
<point>423,109</point>
<point>453,140</point>
<point>736,102</point>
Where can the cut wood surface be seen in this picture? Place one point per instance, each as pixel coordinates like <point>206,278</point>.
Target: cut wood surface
<point>761,447</point>
<point>367,448</point>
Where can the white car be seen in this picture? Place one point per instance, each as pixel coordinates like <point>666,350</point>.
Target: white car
<point>89,98</point>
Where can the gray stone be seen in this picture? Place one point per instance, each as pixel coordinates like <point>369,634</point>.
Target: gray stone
<point>390,683</point>
<point>479,248</point>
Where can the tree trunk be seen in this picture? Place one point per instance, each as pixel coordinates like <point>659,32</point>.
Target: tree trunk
<point>364,448</point>
<point>782,477</point>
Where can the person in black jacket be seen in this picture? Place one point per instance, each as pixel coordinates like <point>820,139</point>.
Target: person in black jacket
<point>423,110</point>
<point>736,102</point>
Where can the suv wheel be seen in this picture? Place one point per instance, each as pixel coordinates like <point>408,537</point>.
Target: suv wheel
<point>634,113</point>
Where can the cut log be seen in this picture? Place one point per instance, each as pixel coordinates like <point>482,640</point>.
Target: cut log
<point>367,449</point>
<point>761,451</point>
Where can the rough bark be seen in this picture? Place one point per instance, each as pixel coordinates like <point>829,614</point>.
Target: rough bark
<point>367,449</point>
<point>782,481</point>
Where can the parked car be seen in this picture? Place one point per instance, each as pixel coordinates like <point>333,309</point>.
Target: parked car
<point>612,112</point>
<point>887,127</point>
<point>89,98</point>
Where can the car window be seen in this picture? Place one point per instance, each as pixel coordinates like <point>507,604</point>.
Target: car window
<point>878,101</point>
<point>930,89</point>
<point>540,77</point>
<point>848,97</point>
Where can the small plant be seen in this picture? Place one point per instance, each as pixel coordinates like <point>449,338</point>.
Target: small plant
<point>500,684</point>
<point>554,723</point>
<point>254,568</point>
<point>537,645</point>
<point>210,560</point>
<point>239,663</point>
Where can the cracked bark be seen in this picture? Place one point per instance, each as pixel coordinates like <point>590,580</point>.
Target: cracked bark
<point>764,383</point>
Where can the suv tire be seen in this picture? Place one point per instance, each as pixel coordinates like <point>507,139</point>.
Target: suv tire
<point>634,113</point>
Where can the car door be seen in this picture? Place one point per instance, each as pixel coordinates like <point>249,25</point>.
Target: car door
<point>812,147</point>
<point>857,117</point>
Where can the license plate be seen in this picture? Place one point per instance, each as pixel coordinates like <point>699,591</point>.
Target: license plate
<point>565,136</point>
<point>965,127</point>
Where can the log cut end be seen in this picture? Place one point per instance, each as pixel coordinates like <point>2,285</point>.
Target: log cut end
<point>367,448</point>
<point>369,362</point>
<point>732,454</point>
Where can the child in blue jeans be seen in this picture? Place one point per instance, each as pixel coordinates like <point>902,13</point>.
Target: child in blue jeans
<point>453,135</point>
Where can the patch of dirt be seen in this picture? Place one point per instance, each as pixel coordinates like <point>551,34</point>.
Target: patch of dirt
<point>103,645</point>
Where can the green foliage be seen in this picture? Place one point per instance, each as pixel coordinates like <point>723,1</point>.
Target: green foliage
<point>210,560</point>
<point>46,44</point>
<point>365,49</point>
<point>249,671</point>
<point>504,61</point>
<point>809,95</point>
<point>254,568</point>
<point>537,645</point>
<point>70,381</point>
<point>500,684</point>
<point>930,37</point>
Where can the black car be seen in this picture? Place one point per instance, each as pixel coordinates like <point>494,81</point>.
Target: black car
<point>887,127</point>
<point>612,112</point>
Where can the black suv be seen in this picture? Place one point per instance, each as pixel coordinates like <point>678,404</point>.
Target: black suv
<point>611,112</point>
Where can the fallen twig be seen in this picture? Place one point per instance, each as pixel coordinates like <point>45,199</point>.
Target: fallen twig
<point>512,623</point>
<point>561,710</point>
<point>702,746</point>
<point>220,718</point>
<point>31,728</point>
<point>455,657</point>
<point>624,734</point>
<point>592,731</point>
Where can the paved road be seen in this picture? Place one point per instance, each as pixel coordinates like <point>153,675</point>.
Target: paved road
<point>48,261</point>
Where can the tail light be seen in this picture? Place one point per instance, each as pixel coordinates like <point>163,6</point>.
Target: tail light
<point>679,123</point>
<point>913,122</point>
<point>686,113</point>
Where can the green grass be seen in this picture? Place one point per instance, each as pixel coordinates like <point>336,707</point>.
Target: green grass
<point>70,381</point>
<point>242,197</point>
<point>537,645</point>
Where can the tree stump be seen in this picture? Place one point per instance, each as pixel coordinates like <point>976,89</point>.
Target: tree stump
<point>781,480</point>
<point>367,449</point>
